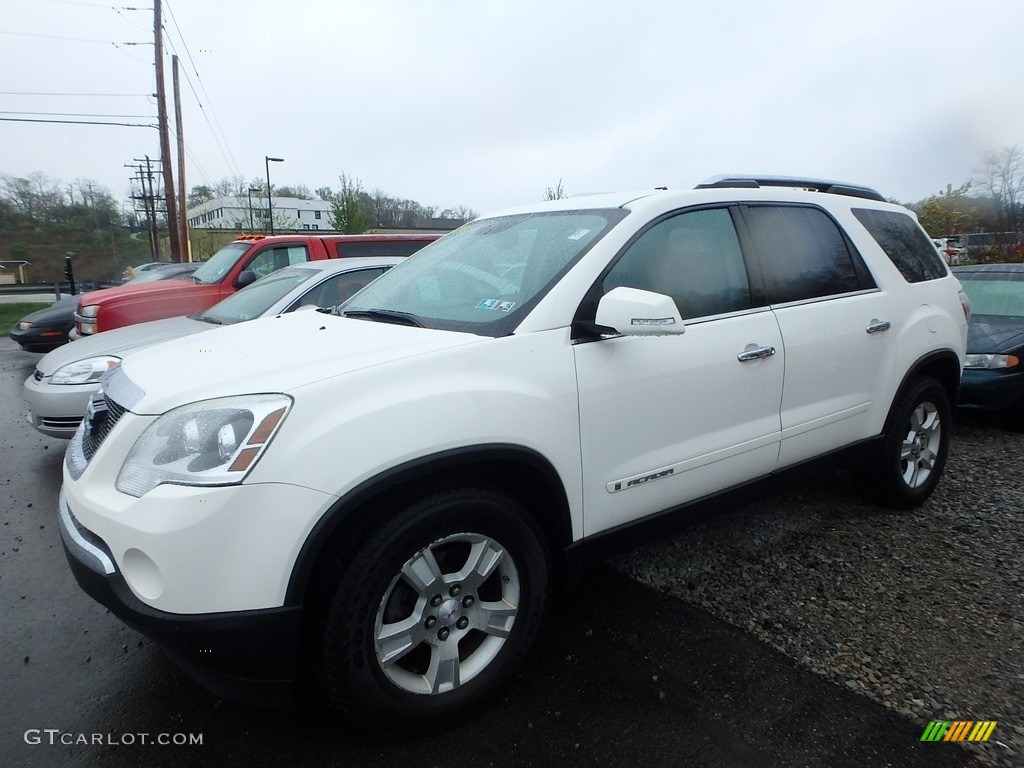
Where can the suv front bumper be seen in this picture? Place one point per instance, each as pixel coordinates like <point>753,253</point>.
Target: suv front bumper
<point>247,656</point>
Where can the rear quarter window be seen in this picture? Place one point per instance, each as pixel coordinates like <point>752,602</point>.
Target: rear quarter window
<point>904,242</point>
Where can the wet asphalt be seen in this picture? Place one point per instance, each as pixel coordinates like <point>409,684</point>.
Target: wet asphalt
<point>620,676</point>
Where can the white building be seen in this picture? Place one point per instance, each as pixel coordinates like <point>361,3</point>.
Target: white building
<point>234,213</point>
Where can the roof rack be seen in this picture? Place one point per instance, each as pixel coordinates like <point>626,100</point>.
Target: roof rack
<point>816,185</point>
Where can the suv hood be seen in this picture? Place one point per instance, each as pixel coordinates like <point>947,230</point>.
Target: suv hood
<point>272,354</point>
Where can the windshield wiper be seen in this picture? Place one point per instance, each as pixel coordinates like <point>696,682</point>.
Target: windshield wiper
<point>205,319</point>
<point>384,316</point>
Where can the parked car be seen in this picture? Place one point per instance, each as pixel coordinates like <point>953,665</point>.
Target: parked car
<point>952,250</point>
<point>131,273</point>
<point>58,391</point>
<point>47,329</point>
<point>993,376</point>
<point>387,494</point>
<point>234,266</point>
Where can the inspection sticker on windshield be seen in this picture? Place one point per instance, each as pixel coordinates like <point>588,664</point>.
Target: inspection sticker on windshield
<point>496,306</point>
<point>579,233</point>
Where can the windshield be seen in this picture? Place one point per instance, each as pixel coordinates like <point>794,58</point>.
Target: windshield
<point>484,277</point>
<point>254,300</point>
<point>220,263</point>
<point>164,273</point>
<point>994,294</point>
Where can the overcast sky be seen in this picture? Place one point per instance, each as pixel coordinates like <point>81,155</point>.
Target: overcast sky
<point>486,103</point>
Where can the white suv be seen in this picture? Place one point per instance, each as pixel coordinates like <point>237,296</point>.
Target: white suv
<point>386,493</point>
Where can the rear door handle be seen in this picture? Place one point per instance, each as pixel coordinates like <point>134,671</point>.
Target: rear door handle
<point>878,325</point>
<point>755,354</point>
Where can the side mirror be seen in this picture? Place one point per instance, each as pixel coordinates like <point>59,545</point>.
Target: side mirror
<point>633,312</point>
<point>245,277</point>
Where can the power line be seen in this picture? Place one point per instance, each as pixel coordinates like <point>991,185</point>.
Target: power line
<point>75,122</point>
<point>75,39</point>
<point>233,164</point>
<point>54,93</point>
<point>97,5</point>
<point>71,114</point>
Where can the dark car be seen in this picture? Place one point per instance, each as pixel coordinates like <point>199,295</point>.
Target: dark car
<point>993,375</point>
<point>46,329</point>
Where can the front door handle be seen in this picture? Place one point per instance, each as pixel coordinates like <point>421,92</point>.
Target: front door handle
<point>878,325</point>
<point>755,354</point>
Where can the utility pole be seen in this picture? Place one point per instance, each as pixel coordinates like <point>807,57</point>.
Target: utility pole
<point>147,197</point>
<point>186,249</point>
<point>165,139</point>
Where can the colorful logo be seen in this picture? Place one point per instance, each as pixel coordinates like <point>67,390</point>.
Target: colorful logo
<point>958,730</point>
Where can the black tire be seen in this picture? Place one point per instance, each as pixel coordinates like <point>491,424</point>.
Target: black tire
<point>915,445</point>
<point>456,636</point>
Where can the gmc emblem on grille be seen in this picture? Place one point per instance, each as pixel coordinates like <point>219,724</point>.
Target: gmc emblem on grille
<point>95,413</point>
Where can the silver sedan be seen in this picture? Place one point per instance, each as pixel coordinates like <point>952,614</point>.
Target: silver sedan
<point>59,389</point>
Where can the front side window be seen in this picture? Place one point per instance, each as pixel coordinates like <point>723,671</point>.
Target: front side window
<point>693,257</point>
<point>277,257</point>
<point>484,277</point>
<point>802,253</point>
<point>340,287</point>
<point>904,242</point>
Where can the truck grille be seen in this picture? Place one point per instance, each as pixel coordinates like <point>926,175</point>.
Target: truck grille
<point>100,417</point>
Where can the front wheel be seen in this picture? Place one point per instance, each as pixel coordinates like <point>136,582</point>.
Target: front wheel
<point>915,445</point>
<point>435,611</point>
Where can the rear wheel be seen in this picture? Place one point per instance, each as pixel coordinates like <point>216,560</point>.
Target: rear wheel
<point>915,445</point>
<point>435,611</point>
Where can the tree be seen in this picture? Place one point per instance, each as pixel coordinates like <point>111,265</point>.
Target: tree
<point>199,194</point>
<point>1002,176</point>
<point>948,213</point>
<point>347,214</point>
<point>555,193</point>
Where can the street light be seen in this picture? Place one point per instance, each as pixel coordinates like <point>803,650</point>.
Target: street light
<point>252,227</point>
<point>270,205</point>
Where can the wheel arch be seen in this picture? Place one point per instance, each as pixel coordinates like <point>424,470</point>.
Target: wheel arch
<point>520,472</point>
<point>943,366</point>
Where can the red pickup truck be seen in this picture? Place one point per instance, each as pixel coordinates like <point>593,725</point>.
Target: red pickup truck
<point>234,266</point>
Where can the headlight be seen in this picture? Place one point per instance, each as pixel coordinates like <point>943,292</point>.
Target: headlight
<point>991,361</point>
<point>85,317</point>
<point>212,442</point>
<point>84,371</point>
<point>25,326</point>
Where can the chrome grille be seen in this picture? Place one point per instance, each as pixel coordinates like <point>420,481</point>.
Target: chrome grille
<point>100,417</point>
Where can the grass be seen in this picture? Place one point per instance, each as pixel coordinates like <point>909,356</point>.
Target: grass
<point>13,312</point>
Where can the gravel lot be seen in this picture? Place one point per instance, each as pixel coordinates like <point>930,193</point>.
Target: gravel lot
<point>922,611</point>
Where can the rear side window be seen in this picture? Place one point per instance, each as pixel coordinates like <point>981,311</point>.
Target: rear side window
<point>803,254</point>
<point>904,242</point>
<point>381,248</point>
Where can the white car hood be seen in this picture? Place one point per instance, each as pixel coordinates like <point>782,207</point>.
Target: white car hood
<point>120,341</point>
<point>272,354</point>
